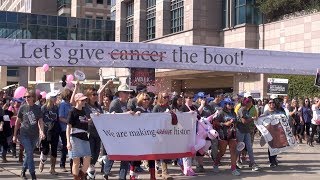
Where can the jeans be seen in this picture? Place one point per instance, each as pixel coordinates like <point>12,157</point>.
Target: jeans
<point>64,150</point>
<point>95,145</point>
<point>29,144</point>
<point>124,166</point>
<point>246,138</point>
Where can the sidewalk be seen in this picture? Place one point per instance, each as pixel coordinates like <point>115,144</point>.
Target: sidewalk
<point>303,162</point>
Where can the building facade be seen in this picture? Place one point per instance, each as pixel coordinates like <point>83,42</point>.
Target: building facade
<point>226,23</point>
<point>15,25</point>
<point>96,9</point>
<point>30,6</point>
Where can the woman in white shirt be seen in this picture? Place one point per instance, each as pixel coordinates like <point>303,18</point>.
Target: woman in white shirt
<point>315,122</point>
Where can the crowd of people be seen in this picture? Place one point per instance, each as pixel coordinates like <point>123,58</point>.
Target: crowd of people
<point>64,118</point>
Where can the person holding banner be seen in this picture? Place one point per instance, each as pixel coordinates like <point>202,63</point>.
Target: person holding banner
<point>226,120</point>
<point>315,122</point>
<point>143,106</point>
<point>119,105</point>
<point>77,137</point>
<point>163,106</point>
<point>243,131</point>
<point>31,126</point>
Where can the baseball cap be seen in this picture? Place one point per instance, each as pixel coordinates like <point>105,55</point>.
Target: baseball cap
<point>51,95</point>
<point>79,97</point>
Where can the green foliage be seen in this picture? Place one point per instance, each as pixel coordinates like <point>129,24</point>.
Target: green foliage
<point>300,86</point>
<point>274,9</point>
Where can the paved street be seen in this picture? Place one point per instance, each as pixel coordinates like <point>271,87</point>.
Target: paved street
<point>303,162</point>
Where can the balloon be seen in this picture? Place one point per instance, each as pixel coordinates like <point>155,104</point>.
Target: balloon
<point>70,78</point>
<point>43,94</point>
<point>70,86</point>
<point>19,92</point>
<point>79,75</point>
<point>45,67</point>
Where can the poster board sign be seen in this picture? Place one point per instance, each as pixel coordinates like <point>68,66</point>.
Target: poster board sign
<point>277,86</point>
<point>143,76</point>
<point>149,136</point>
<point>277,133</point>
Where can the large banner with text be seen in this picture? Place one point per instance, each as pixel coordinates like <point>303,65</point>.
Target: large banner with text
<point>277,133</point>
<point>36,52</point>
<point>148,136</point>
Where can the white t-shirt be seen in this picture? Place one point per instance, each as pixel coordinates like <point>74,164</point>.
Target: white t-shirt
<point>316,114</point>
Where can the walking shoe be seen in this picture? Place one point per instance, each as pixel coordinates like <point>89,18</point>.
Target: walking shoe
<point>105,177</point>
<point>200,169</point>
<point>63,169</point>
<point>255,167</point>
<point>235,173</point>
<point>239,165</point>
<point>23,174</point>
<point>216,169</point>
<point>272,165</point>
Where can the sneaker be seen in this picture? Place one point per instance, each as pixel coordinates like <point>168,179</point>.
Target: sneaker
<point>235,173</point>
<point>63,169</point>
<point>273,165</point>
<point>200,169</point>
<point>216,169</point>
<point>239,165</point>
<point>255,167</point>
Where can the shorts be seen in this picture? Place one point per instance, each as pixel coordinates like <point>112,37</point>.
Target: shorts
<point>80,148</point>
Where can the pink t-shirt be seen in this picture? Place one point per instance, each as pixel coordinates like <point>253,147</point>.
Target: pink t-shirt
<point>14,118</point>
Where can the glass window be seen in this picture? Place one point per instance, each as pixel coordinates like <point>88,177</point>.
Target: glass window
<point>72,22</point>
<point>108,2</point>
<point>88,1</point>
<point>225,16</point>
<point>81,34</point>
<point>3,16</point>
<point>62,33</point>
<point>129,21</point>
<point>33,31</point>
<point>177,14</point>
<point>151,19</point>
<point>62,21</point>
<point>52,33</point>
<point>89,16</point>
<point>12,71</point>
<point>42,32</point>
<point>52,20</point>
<point>42,20</point>
<point>99,17</point>
<point>72,34</point>
<point>12,17</point>
<point>22,18</point>
<point>98,24</point>
<point>99,1</point>
<point>32,19</point>
<point>244,12</point>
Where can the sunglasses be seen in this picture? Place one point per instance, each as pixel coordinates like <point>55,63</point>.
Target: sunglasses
<point>202,97</point>
<point>231,104</point>
<point>165,97</point>
<point>189,97</point>
<point>95,94</point>
<point>26,97</point>
<point>147,99</point>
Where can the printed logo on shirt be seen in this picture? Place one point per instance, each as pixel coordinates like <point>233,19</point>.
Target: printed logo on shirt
<point>6,118</point>
<point>31,118</point>
<point>83,119</point>
<point>51,116</point>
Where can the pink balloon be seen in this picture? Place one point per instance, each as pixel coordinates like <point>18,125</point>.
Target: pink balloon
<point>70,86</point>
<point>19,92</point>
<point>43,94</point>
<point>70,78</point>
<point>45,67</point>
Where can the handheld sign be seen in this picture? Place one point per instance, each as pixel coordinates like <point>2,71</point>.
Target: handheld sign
<point>79,75</point>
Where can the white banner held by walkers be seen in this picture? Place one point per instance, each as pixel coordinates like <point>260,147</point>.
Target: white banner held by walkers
<point>36,52</point>
<point>149,136</point>
<point>277,132</point>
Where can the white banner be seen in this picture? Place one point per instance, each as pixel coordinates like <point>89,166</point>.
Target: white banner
<point>150,136</point>
<point>26,52</point>
<point>277,133</point>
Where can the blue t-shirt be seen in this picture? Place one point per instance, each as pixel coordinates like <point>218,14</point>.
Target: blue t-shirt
<point>64,109</point>
<point>306,114</point>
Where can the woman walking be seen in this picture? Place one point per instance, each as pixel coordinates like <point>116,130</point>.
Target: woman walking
<point>31,126</point>
<point>52,130</point>
<point>227,133</point>
<point>315,122</point>
<point>306,116</point>
<point>77,137</point>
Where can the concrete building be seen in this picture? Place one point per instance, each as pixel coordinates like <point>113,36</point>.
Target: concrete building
<point>226,23</point>
<point>30,6</point>
<point>97,9</point>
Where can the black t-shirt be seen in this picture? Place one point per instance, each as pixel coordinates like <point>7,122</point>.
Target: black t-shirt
<point>5,117</point>
<point>185,108</point>
<point>296,115</point>
<point>79,122</point>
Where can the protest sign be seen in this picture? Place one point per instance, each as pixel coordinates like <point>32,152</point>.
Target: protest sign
<point>143,76</point>
<point>149,136</point>
<point>277,133</point>
<point>277,86</point>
